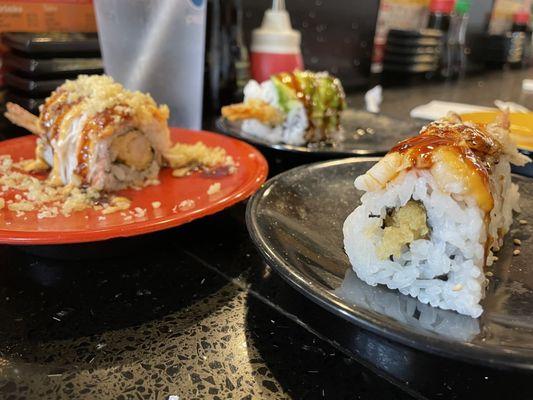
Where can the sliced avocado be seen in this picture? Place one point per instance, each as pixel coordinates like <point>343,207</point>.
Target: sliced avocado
<point>321,94</point>
<point>326,98</point>
<point>286,95</point>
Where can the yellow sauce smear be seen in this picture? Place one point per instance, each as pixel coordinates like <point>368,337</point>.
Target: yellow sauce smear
<point>457,168</point>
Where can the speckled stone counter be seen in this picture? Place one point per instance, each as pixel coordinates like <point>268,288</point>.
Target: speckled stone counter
<point>161,321</point>
<point>195,313</point>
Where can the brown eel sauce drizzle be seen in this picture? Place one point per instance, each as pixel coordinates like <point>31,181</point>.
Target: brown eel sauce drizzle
<point>475,147</point>
<point>54,111</point>
<point>304,94</point>
<point>92,129</point>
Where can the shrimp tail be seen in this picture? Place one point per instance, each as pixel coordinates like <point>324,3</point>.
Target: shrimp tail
<point>381,173</point>
<point>503,119</point>
<point>23,118</point>
<point>253,109</point>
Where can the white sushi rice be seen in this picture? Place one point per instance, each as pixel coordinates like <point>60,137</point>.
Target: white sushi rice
<point>293,129</point>
<point>446,269</point>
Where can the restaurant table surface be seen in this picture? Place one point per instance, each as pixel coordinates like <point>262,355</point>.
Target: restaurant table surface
<point>194,312</point>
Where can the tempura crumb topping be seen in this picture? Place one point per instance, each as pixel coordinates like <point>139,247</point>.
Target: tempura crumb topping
<point>214,188</point>
<point>100,92</point>
<point>29,193</point>
<point>185,158</point>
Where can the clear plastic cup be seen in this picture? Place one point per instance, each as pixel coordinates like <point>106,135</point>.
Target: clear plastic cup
<point>157,46</point>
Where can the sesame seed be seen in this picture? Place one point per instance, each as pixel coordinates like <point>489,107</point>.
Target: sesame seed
<point>518,242</point>
<point>522,222</point>
<point>457,287</point>
<point>489,273</point>
<point>156,204</point>
<point>516,252</point>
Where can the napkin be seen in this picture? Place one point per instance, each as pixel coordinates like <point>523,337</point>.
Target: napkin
<point>436,109</point>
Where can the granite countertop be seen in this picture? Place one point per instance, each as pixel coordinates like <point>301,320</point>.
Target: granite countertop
<point>479,90</point>
<point>194,312</point>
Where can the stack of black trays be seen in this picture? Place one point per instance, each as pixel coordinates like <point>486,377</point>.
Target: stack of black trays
<point>411,52</point>
<point>39,62</point>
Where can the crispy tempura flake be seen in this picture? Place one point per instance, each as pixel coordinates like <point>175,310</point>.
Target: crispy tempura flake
<point>33,165</point>
<point>117,204</point>
<point>184,158</point>
<point>29,193</point>
<point>253,109</point>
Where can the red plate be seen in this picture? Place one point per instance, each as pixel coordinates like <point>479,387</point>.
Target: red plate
<point>85,226</point>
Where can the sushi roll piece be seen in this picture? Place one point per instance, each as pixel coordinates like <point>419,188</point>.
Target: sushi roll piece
<point>436,207</point>
<point>94,133</point>
<point>292,107</point>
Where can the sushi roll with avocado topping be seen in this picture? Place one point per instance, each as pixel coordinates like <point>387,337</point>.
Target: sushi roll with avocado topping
<point>296,108</point>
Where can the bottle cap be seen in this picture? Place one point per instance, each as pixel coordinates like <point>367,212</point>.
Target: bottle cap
<point>462,6</point>
<point>276,34</point>
<point>521,17</point>
<point>443,6</point>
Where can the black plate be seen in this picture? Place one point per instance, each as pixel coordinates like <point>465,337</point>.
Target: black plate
<point>365,134</point>
<point>32,87</point>
<point>52,43</point>
<point>408,59</point>
<point>29,103</point>
<point>412,50</point>
<point>50,67</point>
<point>413,34</point>
<point>417,68</point>
<point>414,42</point>
<point>296,222</point>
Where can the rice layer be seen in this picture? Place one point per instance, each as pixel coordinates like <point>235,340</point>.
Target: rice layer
<point>444,269</point>
<point>293,129</point>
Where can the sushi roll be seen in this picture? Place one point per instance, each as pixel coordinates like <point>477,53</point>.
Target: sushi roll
<point>94,133</point>
<point>292,107</point>
<point>436,207</point>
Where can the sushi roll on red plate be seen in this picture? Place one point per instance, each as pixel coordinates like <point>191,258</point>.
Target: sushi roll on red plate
<point>94,133</point>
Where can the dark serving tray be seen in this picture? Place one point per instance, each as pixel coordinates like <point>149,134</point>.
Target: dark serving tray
<point>53,67</point>
<point>52,43</point>
<point>29,103</point>
<point>364,133</point>
<point>32,86</point>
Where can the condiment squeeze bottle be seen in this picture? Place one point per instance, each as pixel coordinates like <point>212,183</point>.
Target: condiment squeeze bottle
<point>275,45</point>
